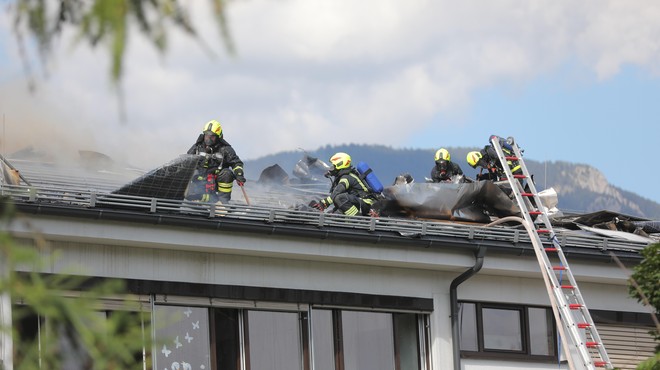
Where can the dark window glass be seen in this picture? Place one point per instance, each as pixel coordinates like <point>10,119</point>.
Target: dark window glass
<point>322,334</point>
<point>225,337</point>
<point>489,329</point>
<point>368,342</point>
<point>27,325</point>
<point>468,323</point>
<point>74,354</point>
<point>541,334</point>
<point>502,329</point>
<point>274,341</point>
<point>406,338</point>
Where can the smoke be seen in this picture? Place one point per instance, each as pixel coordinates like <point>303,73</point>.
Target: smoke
<point>28,124</point>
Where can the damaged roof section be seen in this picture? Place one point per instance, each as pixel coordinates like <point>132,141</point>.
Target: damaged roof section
<point>612,224</point>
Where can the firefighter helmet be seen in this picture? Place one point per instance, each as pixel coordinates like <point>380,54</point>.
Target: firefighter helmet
<point>213,126</point>
<point>340,161</point>
<point>442,155</point>
<point>473,158</point>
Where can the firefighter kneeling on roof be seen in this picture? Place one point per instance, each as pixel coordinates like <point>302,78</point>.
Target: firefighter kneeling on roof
<point>349,192</point>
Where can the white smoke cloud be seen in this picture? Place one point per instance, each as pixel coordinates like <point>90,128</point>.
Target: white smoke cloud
<point>311,72</point>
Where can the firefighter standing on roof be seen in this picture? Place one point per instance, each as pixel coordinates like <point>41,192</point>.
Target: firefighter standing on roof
<point>487,159</point>
<point>349,192</point>
<point>217,169</point>
<point>444,168</point>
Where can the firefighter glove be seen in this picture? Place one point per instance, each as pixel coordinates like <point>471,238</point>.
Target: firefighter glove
<point>318,205</point>
<point>238,173</point>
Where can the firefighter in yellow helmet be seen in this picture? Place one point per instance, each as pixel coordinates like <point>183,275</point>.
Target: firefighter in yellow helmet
<point>444,169</point>
<point>218,167</point>
<point>349,192</point>
<point>487,159</point>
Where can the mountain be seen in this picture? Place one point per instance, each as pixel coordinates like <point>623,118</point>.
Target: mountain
<point>581,188</point>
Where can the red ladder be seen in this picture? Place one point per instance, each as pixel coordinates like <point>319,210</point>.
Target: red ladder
<point>574,321</point>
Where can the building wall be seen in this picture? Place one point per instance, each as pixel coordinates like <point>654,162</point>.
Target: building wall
<point>150,252</point>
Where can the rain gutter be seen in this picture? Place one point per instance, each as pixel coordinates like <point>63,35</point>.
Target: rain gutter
<point>309,231</point>
<point>479,255</point>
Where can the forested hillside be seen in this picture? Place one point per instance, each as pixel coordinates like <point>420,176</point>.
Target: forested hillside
<point>580,187</point>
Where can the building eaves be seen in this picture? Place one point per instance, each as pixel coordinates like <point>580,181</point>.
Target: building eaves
<point>312,225</point>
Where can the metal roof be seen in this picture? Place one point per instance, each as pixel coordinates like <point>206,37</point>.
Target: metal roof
<point>76,192</point>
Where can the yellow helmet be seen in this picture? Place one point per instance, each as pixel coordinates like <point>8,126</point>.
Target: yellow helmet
<point>442,154</point>
<point>473,158</point>
<point>340,161</point>
<point>213,126</point>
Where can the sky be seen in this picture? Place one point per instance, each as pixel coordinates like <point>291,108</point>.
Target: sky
<point>570,81</point>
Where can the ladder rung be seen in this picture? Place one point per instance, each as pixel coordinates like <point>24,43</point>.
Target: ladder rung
<point>535,212</point>
<point>592,344</point>
<point>527,194</point>
<point>601,363</point>
<point>551,249</point>
<point>575,306</point>
<point>559,268</point>
<point>583,325</point>
<point>511,158</point>
<point>567,287</point>
<point>542,231</point>
<point>519,176</point>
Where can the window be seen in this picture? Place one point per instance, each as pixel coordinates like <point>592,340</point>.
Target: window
<point>182,337</point>
<point>61,342</point>
<point>281,338</point>
<point>496,330</point>
<point>368,341</point>
<point>502,329</point>
<point>274,341</point>
<point>323,340</point>
<point>627,336</point>
<point>225,336</point>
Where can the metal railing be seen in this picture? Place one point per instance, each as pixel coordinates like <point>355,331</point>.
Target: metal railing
<point>404,227</point>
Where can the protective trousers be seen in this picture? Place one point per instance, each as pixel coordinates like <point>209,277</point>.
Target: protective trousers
<point>352,205</point>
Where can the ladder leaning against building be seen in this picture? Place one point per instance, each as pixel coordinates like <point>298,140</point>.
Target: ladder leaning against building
<point>583,346</point>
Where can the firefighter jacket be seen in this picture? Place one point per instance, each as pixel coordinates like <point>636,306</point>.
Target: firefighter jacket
<point>445,171</point>
<point>220,156</point>
<point>494,166</point>
<point>348,181</point>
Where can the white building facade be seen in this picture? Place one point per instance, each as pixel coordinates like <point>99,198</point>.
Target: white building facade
<point>296,290</point>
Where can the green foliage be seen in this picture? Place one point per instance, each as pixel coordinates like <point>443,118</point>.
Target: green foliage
<point>108,22</point>
<point>645,287</point>
<point>652,363</point>
<point>647,276</point>
<point>72,322</point>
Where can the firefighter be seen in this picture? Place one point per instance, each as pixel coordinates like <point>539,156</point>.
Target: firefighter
<point>349,192</point>
<point>444,168</point>
<point>487,159</point>
<point>219,167</point>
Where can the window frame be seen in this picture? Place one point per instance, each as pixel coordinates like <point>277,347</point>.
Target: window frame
<point>525,353</point>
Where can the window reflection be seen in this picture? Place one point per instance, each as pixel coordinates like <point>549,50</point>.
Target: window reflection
<point>182,337</point>
<point>274,341</point>
<point>406,341</point>
<point>367,341</point>
<point>541,334</point>
<point>322,336</point>
<point>468,323</point>
<point>502,329</point>
<point>486,328</point>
